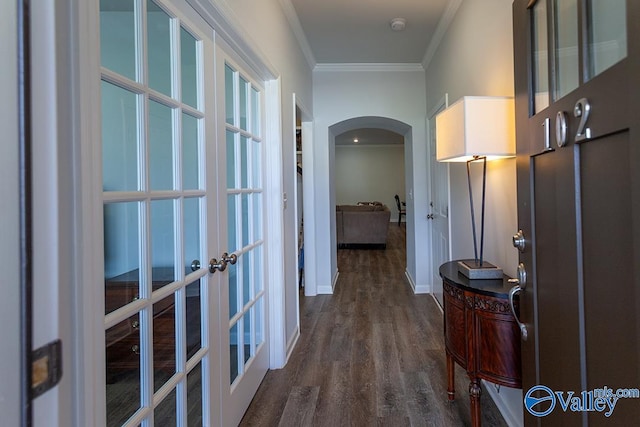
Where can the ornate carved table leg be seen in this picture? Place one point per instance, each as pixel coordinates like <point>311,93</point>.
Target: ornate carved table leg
<point>474,395</point>
<point>451,391</point>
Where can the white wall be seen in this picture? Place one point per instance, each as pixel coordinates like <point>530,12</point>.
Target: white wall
<point>475,57</point>
<point>351,92</point>
<point>370,172</point>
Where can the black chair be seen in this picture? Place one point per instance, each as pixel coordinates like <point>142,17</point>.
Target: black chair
<point>401,209</point>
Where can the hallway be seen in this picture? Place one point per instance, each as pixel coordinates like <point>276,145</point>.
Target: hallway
<point>371,354</point>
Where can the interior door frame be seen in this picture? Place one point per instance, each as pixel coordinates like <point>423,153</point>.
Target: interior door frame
<point>442,104</point>
<point>13,387</point>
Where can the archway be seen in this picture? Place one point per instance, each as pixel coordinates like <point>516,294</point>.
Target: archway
<point>368,122</point>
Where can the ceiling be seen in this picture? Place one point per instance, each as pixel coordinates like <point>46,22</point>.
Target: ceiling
<point>359,31</point>
<point>369,136</point>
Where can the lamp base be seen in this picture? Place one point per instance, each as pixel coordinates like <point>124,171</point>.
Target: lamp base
<point>474,270</point>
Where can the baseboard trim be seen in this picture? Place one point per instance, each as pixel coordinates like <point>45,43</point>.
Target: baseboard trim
<point>437,303</point>
<point>507,411</point>
<point>328,289</point>
<point>422,289</point>
<point>325,290</point>
<point>410,280</point>
<point>417,289</point>
<point>291,344</point>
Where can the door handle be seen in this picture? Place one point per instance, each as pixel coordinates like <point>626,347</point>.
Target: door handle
<point>231,259</point>
<point>512,293</point>
<point>214,265</point>
<point>221,265</point>
<point>519,242</point>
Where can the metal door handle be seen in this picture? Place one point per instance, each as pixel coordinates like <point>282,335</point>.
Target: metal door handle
<point>221,265</point>
<point>231,259</point>
<point>522,277</point>
<point>519,241</point>
<point>512,294</point>
<point>214,265</point>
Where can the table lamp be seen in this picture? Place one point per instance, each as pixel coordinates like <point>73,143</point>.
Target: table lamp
<point>476,129</point>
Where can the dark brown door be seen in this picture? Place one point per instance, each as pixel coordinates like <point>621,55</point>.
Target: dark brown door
<point>577,79</point>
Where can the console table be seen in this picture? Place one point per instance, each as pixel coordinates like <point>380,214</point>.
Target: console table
<point>480,332</point>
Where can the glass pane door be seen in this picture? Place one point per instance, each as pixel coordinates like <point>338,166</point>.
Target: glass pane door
<point>244,221</point>
<point>155,201</point>
<point>566,46</point>
<point>607,34</point>
<point>244,338</point>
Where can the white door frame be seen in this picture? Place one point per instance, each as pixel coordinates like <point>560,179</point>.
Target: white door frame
<point>11,384</point>
<point>436,286</point>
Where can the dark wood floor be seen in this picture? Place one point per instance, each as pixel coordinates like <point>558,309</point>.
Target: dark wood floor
<point>370,354</point>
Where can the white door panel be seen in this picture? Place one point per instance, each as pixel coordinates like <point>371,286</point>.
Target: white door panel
<point>160,218</point>
<point>245,354</point>
<point>439,205</point>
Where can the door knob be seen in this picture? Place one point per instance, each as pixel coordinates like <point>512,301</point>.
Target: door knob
<point>430,216</point>
<point>523,329</point>
<point>519,241</point>
<point>214,265</point>
<point>231,259</point>
<point>221,265</point>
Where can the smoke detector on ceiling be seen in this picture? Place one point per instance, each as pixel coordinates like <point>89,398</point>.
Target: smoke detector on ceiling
<point>398,24</point>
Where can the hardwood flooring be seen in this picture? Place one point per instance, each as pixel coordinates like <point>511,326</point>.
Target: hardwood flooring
<point>371,354</point>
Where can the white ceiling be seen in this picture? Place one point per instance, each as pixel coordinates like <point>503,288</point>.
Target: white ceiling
<point>359,31</point>
<point>369,136</point>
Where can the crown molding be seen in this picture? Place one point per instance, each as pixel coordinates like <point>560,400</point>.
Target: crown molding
<point>441,29</point>
<point>364,67</point>
<point>219,15</point>
<point>298,32</point>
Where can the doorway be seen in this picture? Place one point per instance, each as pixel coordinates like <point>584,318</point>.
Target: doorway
<point>368,122</point>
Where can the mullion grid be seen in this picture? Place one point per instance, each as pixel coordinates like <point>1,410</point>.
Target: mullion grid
<point>145,413</point>
<point>246,312</point>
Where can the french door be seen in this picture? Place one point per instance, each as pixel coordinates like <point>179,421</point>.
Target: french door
<point>240,130</point>
<point>576,68</point>
<point>182,214</point>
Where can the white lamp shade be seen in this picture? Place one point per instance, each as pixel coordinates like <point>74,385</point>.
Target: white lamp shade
<point>476,126</point>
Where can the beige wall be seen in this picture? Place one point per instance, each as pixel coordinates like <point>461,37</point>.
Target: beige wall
<point>475,57</point>
<point>368,173</point>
